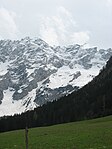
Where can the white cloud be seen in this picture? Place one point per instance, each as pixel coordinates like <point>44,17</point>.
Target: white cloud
<point>80,37</point>
<point>60,29</point>
<point>47,32</point>
<point>8,28</point>
<point>57,25</point>
<point>109,3</point>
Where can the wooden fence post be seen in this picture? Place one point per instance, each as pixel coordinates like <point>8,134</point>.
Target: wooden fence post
<point>26,137</point>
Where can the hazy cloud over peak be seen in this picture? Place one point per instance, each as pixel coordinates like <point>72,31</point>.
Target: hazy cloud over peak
<point>60,29</point>
<point>8,28</point>
<point>58,21</point>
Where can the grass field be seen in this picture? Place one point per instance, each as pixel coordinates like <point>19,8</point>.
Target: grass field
<point>92,134</point>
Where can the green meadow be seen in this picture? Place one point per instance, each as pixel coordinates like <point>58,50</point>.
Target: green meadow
<point>90,134</point>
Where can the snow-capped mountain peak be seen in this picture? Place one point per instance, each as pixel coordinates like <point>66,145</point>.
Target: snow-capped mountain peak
<point>32,72</point>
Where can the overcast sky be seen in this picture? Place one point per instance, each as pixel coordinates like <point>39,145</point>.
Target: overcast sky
<point>58,22</point>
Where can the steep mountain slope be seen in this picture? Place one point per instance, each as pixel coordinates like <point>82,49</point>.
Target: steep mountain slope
<point>32,72</point>
<point>91,101</point>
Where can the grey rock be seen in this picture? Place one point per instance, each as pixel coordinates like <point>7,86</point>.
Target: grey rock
<point>18,96</point>
<point>48,95</point>
<point>30,64</point>
<point>1,96</point>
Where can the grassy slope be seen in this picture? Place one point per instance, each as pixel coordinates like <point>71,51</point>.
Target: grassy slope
<point>92,134</point>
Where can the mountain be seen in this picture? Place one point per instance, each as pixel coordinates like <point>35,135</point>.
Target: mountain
<point>33,72</point>
<point>91,101</point>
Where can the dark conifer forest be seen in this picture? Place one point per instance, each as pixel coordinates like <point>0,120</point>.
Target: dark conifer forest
<point>91,101</point>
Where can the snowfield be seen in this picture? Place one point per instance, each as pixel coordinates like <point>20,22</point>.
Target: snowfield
<point>32,72</point>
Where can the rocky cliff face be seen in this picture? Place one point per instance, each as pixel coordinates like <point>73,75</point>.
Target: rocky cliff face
<point>32,72</point>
